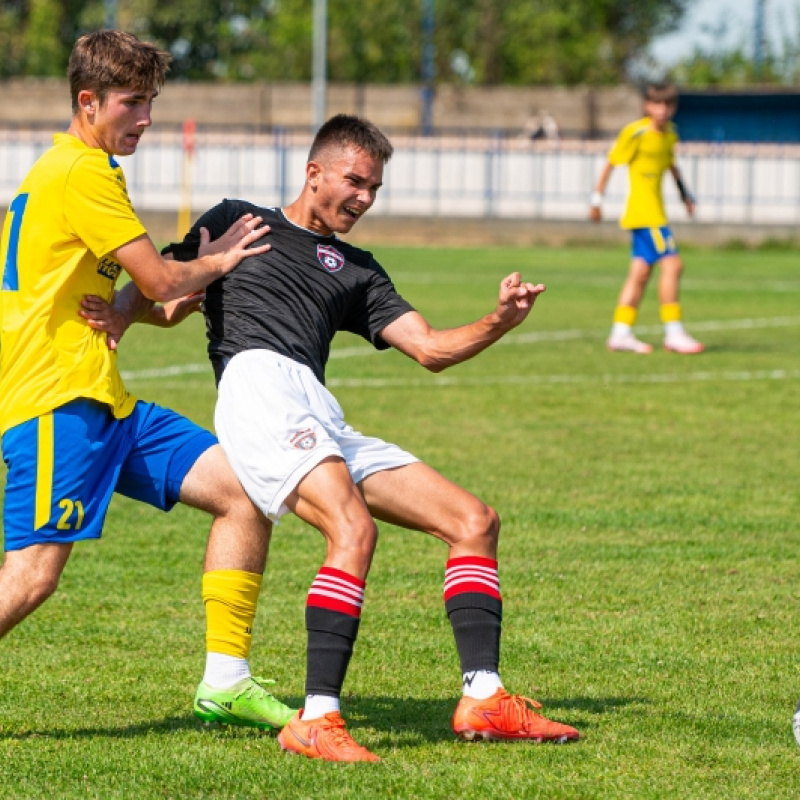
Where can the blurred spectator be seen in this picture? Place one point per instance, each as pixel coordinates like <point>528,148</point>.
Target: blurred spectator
<point>541,126</point>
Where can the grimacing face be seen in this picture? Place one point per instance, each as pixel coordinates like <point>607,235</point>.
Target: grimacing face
<point>345,183</point>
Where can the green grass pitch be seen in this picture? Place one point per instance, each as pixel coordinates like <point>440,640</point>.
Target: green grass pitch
<point>648,560</point>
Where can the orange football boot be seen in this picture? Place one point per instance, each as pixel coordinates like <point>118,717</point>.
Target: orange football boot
<point>507,716</point>
<point>324,738</point>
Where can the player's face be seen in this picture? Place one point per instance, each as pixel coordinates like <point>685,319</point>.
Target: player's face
<point>346,184</point>
<point>660,112</point>
<point>117,124</point>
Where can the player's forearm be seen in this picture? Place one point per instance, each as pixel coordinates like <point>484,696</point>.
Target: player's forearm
<point>181,278</point>
<point>155,316</point>
<point>446,348</point>
<point>683,190</point>
<point>161,280</point>
<point>602,181</point>
<point>132,304</point>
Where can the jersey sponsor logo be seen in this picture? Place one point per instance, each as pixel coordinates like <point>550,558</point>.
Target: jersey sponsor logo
<point>330,258</point>
<point>108,268</point>
<point>304,440</point>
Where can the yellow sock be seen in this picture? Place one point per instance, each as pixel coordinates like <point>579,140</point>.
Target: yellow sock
<point>626,315</point>
<point>671,312</point>
<point>230,597</point>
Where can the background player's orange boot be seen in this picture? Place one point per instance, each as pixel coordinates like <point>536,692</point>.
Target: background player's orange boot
<point>325,738</point>
<point>507,716</point>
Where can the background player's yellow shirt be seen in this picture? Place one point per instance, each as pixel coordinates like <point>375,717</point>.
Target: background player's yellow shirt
<point>648,154</point>
<point>71,211</point>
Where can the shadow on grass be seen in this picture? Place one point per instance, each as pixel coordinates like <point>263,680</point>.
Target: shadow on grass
<point>409,721</point>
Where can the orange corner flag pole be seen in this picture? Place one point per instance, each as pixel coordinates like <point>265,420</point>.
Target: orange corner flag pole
<point>185,207</point>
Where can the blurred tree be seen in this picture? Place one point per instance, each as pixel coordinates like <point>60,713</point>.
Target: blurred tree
<point>553,41</point>
<point>207,38</point>
<point>499,41</point>
<point>41,38</point>
<point>726,69</point>
<point>12,46</point>
<point>708,66</point>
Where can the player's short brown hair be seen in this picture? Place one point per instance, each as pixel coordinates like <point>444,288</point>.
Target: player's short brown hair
<point>105,60</point>
<point>661,93</point>
<point>347,130</point>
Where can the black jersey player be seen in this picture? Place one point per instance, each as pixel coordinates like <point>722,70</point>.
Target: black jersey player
<point>270,325</point>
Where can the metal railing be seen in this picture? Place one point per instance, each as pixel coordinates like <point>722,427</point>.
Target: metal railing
<point>446,177</point>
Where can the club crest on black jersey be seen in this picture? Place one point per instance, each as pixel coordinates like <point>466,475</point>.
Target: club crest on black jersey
<point>330,258</point>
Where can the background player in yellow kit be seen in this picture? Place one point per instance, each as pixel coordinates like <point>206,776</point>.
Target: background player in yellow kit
<point>647,147</point>
<point>71,433</point>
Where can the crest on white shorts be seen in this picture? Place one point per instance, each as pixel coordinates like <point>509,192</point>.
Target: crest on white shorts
<point>330,258</point>
<point>304,440</point>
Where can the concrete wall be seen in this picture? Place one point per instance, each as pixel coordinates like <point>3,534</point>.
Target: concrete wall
<point>580,112</point>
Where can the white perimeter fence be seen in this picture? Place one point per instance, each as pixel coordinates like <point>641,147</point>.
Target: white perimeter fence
<point>510,178</point>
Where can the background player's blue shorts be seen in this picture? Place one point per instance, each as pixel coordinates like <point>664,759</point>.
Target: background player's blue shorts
<point>64,466</point>
<point>651,244</point>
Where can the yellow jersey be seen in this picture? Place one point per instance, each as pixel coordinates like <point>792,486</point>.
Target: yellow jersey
<point>648,154</point>
<point>71,212</point>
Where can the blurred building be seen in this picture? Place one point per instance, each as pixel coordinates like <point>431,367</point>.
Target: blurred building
<point>755,116</point>
<point>572,112</point>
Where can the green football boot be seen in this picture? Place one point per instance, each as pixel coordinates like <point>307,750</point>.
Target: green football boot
<point>245,703</point>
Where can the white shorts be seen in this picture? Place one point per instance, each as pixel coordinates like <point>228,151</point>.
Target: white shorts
<point>276,422</point>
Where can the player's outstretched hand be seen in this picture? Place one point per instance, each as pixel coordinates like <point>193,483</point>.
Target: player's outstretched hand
<point>516,299</point>
<point>234,244</point>
<point>102,316</point>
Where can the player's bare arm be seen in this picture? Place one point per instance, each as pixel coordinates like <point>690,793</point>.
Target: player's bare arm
<point>686,196</point>
<point>438,349</point>
<point>596,202</point>
<point>130,306</point>
<point>162,281</point>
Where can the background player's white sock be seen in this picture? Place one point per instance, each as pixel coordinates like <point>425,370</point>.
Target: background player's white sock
<point>620,330</point>
<point>673,329</point>
<point>318,705</point>
<point>481,684</point>
<point>222,671</point>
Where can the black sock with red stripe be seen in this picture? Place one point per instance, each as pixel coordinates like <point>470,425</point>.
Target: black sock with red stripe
<point>333,614</point>
<point>475,608</point>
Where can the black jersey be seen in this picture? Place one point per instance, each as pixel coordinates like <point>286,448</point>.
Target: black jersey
<point>296,296</point>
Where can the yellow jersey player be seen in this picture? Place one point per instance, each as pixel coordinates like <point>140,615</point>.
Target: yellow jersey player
<point>71,434</point>
<point>647,147</point>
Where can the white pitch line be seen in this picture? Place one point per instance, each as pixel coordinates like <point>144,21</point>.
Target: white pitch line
<point>709,325</point>
<point>512,338</point>
<point>573,280</point>
<point>164,372</point>
<point>553,380</point>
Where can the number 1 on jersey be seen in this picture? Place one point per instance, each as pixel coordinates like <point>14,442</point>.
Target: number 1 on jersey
<point>10,276</point>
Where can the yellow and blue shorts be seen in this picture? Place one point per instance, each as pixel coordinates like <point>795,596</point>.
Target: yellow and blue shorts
<point>652,244</point>
<point>64,466</point>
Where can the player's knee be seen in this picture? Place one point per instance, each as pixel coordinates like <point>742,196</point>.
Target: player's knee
<point>481,523</point>
<point>38,586</point>
<point>225,498</point>
<point>237,506</point>
<point>364,536</point>
<point>357,541</point>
